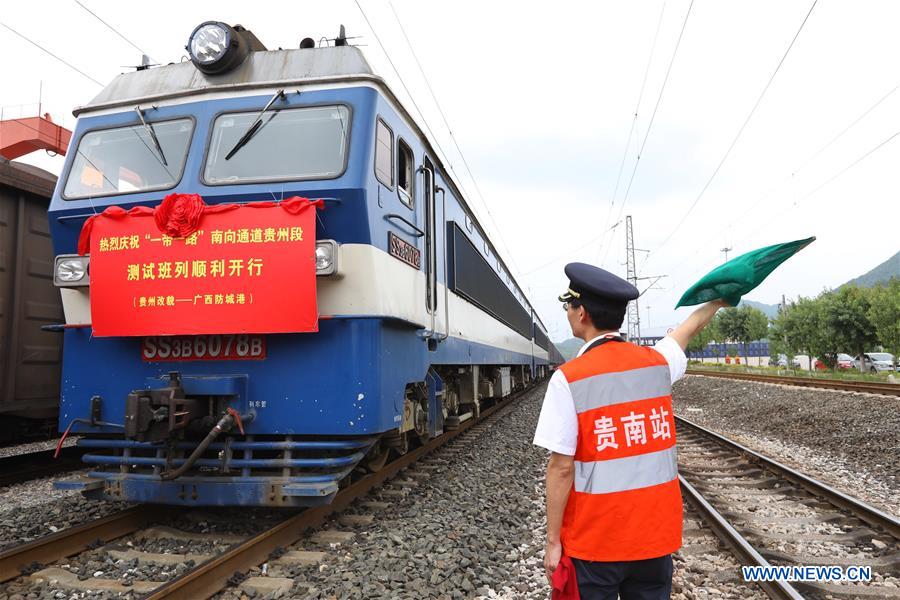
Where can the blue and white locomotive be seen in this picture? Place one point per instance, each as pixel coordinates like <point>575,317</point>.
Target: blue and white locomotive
<point>419,319</point>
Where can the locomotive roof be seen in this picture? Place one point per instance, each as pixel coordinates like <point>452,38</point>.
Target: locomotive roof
<point>260,70</point>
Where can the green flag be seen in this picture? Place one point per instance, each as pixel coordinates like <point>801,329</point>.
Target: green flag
<point>740,275</point>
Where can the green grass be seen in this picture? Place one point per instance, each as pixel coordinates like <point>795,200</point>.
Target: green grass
<point>840,375</point>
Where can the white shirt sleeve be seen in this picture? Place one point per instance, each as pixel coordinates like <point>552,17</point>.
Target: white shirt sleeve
<point>557,428</point>
<point>674,355</point>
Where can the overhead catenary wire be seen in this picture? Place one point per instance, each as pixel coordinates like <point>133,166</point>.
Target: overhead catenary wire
<point>740,130</point>
<point>815,190</point>
<point>812,157</point>
<point>114,30</point>
<point>634,119</point>
<point>853,124</point>
<point>48,52</point>
<point>662,89</point>
<point>412,99</point>
<point>831,179</point>
<point>573,250</point>
<point>606,227</point>
<point>819,152</point>
<point>402,82</point>
<point>462,156</point>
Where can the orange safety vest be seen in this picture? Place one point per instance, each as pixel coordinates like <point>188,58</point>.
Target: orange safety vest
<point>625,503</point>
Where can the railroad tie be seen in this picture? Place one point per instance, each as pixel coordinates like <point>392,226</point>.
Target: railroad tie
<point>63,579</point>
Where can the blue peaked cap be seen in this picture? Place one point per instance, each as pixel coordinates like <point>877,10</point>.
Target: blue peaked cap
<point>594,283</point>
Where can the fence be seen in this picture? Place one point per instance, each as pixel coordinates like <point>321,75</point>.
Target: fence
<point>756,349</point>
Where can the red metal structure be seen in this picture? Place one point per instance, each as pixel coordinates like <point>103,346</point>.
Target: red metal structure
<point>19,137</point>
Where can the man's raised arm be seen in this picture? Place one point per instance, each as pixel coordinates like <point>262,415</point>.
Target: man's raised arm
<point>695,323</point>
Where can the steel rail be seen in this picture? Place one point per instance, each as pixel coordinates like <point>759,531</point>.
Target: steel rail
<point>889,389</point>
<point>871,515</point>
<point>746,554</point>
<point>17,468</point>
<point>50,548</point>
<point>212,576</point>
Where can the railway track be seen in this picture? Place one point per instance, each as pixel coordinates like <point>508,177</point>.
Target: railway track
<point>888,389</point>
<point>17,468</point>
<point>214,573</point>
<point>771,514</point>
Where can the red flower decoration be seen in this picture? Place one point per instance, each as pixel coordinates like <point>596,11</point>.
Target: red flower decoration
<point>179,214</point>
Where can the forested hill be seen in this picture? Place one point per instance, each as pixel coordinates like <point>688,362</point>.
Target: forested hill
<point>880,274</point>
<point>569,348</point>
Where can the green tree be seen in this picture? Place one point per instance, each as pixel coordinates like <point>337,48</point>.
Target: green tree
<point>884,314</point>
<point>708,334</point>
<point>845,316</point>
<point>757,323</point>
<point>715,331</point>
<point>730,323</point>
<point>778,341</point>
<point>744,325</point>
<point>799,328</point>
<point>826,344</point>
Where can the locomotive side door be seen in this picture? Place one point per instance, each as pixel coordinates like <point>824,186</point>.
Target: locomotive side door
<point>433,252</point>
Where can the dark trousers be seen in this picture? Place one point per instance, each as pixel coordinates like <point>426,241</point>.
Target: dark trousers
<point>649,579</point>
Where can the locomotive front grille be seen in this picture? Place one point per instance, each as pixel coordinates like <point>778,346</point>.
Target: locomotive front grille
<point>290,471</point>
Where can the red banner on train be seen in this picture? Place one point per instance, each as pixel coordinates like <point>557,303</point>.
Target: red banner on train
<point>236,268</point>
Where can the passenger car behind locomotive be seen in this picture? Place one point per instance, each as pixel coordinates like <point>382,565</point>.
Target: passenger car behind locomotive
<point>419,322</point>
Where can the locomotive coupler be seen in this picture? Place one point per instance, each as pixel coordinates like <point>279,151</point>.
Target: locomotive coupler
<point>154,415</point>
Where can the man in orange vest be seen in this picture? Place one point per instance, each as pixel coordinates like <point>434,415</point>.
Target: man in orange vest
<point>613,501</point>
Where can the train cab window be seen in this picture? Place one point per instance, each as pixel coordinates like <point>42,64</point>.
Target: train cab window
<point>124,160</point>
<point>292,143</point>
<point>405,173</point>
<point>384,154</point>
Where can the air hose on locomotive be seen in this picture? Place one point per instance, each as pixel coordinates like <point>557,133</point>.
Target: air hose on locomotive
<point>225,424</point>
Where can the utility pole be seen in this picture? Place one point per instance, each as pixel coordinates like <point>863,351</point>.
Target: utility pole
<point>726,251</point>
<point>634,318</point>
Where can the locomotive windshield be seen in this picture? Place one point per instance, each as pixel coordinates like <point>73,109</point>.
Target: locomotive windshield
<point>296,143</point>
<point>125,159</point>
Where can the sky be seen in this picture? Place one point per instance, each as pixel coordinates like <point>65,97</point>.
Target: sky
<point>550,104</point>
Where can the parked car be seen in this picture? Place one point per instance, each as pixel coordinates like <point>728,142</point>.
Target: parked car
<point>875,362</point>
<point>782,361</point>
<point>844,362</point>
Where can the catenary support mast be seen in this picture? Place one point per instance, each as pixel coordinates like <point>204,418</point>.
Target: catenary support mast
<point>634,319</point>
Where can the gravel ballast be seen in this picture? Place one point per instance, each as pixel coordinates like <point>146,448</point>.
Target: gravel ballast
<point>846,439</point>
<point>34,508</point>
<point>465,530</point>
<point>37,446</point>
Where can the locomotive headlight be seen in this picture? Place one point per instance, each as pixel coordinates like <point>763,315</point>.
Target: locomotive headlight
<point>71,270</point>
<point>216,47</point>
<point>326,257</point>
<point>209,42</point>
